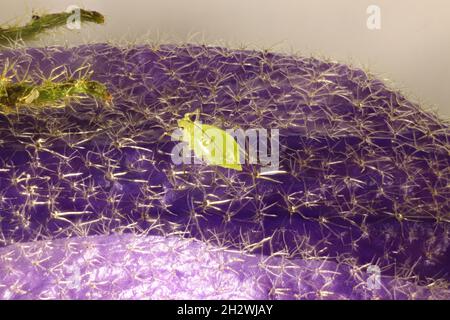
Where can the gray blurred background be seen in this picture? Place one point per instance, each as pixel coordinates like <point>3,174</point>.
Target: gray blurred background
<point>411,50</point>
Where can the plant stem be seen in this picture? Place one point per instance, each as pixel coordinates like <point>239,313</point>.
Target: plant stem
<point>40,24</point>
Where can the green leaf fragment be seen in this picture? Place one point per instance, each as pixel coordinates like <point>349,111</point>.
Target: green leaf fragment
<point>212,144</point>
<point>48,94</point>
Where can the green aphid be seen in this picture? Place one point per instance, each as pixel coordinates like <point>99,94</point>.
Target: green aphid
<point>39,24</point>
<point>214,145</point>
<point>48,94</point>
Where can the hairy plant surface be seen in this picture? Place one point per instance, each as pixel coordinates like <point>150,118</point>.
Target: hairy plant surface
<point>363,177</point>
<point>154,267</point>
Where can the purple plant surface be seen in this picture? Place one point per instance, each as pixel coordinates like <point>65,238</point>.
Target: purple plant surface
<point>155,267</point>
<point>364,172</point>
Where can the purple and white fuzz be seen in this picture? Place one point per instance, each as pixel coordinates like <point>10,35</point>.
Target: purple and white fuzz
<point>155,267</point>
<point>364,173</point>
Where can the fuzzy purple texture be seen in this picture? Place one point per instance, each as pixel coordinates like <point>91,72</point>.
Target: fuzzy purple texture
<point>155,267</point>
<point>366,171</point>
